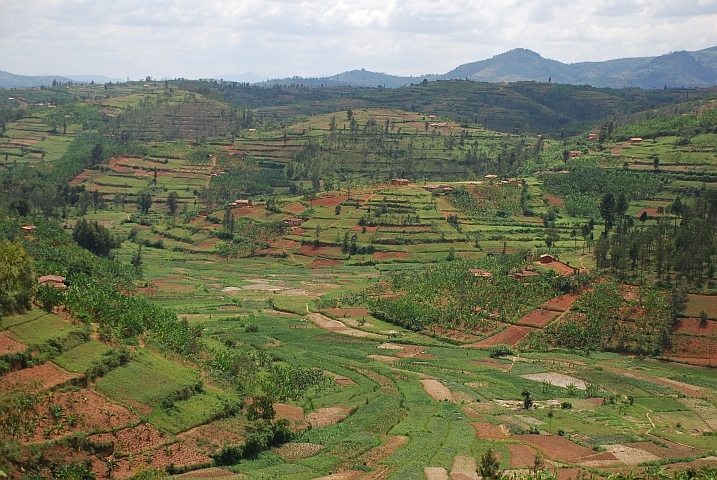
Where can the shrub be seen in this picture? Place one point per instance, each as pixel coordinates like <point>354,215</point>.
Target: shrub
<point>501,350</point>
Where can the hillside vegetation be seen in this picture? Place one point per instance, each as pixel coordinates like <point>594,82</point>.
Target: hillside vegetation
<point>214,280</point>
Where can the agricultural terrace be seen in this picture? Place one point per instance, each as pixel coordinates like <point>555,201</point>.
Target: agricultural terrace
<point>272,306</point>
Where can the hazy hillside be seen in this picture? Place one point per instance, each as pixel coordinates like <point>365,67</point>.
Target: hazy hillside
<point>9,80</point>
<point>676,69</point>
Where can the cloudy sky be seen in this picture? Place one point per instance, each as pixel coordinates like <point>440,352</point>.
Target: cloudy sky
<point>279,38</point>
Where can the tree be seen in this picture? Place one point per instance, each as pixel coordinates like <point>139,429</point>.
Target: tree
<point>96,155</point>
<point>94,237</point>
<point>656,163</point>
<point>527,400</point>
<point>172,202</point>
<point>489,467</point>
<point>144,202</point>
<point>551,236</point>
<point>136,260</point>
<point>17,280</point>
<point>621,206</point>
<point>228,221</point>
<point>607,211</point>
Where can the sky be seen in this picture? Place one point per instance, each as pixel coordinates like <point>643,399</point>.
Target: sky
<point>283,38</point>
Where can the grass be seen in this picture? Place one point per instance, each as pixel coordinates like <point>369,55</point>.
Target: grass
<point>80,358</point>
<point>186,414</point>
<point>158,376</point>
<point>42,329</point>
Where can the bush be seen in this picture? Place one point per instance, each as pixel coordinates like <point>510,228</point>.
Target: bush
<point>501,350</point>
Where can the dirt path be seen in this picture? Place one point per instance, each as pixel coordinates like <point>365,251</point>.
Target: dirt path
<point>334,326</point>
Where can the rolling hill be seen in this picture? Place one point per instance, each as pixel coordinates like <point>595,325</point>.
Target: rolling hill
<point>677,69</point>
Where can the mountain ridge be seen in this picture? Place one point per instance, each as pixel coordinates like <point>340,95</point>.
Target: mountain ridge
<point>675,69</point>
<point>679,69</point>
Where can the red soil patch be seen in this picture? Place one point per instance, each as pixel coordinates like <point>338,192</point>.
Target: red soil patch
<point>452,334</point>
<point>387,255</point>
<point>132,440</point>
<point>538,318</point>
<point>283,243</point>
<point>210,438</point>
<point>310,250</point>
<point>490,362</point>
<point>697,303</point>
<point>178,455</point>
<point>8,345</point>
<point>330,201</point>
<point>414,351</point>
<point>683,325</point>
<point>347,312</point>
<point>521,456</point>
<point>288,412</point>
<point>147,290</point>
<point>557,448</point>
<point>674,450</point>
<point>556,201</point>
<point>376,454</point>
<point>39,378</point>
<point>561,303</point>
<point>359,228</point>
<point>207,245</point>
<point>212,472</point>
<point>294,208</point>
<point>81,177</point>
<point>488,430</point>
<point>559,267</point>
<point>242,211</point>
<point>510,336</point>
<point>318,263</point>
<point>93,412</point>
<point>595,401</point>
<point>692,349</point>
<point>574,473</point>
<point>323,417</point>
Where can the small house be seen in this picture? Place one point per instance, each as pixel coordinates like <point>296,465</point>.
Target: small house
<point>491,177</point>
<point>593,137</point>
<point>399,182</point>
<point>635,140</point>
<point>575,153</point>
<point>523,274</point>
<point>546,258</point>
<point>55,281</point>
<point>28,229</point>
<point>515,183</point>
<point>480,273</point>
<point>294,222</point>
<point>241,203</point>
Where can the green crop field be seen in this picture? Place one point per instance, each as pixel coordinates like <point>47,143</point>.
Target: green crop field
<point>311,287</point>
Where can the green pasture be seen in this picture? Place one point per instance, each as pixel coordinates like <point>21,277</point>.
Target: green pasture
<point>157,376</point>
<point>42,329</point>
<point>82,357</point>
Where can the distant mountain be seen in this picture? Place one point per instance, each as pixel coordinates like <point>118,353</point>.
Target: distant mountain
<point>246,77</point>
<point>676,69</point>
<point>94,78</point>
<point>10,80</point>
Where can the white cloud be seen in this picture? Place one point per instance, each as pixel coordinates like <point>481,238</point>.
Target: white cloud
<point>315,37</point>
